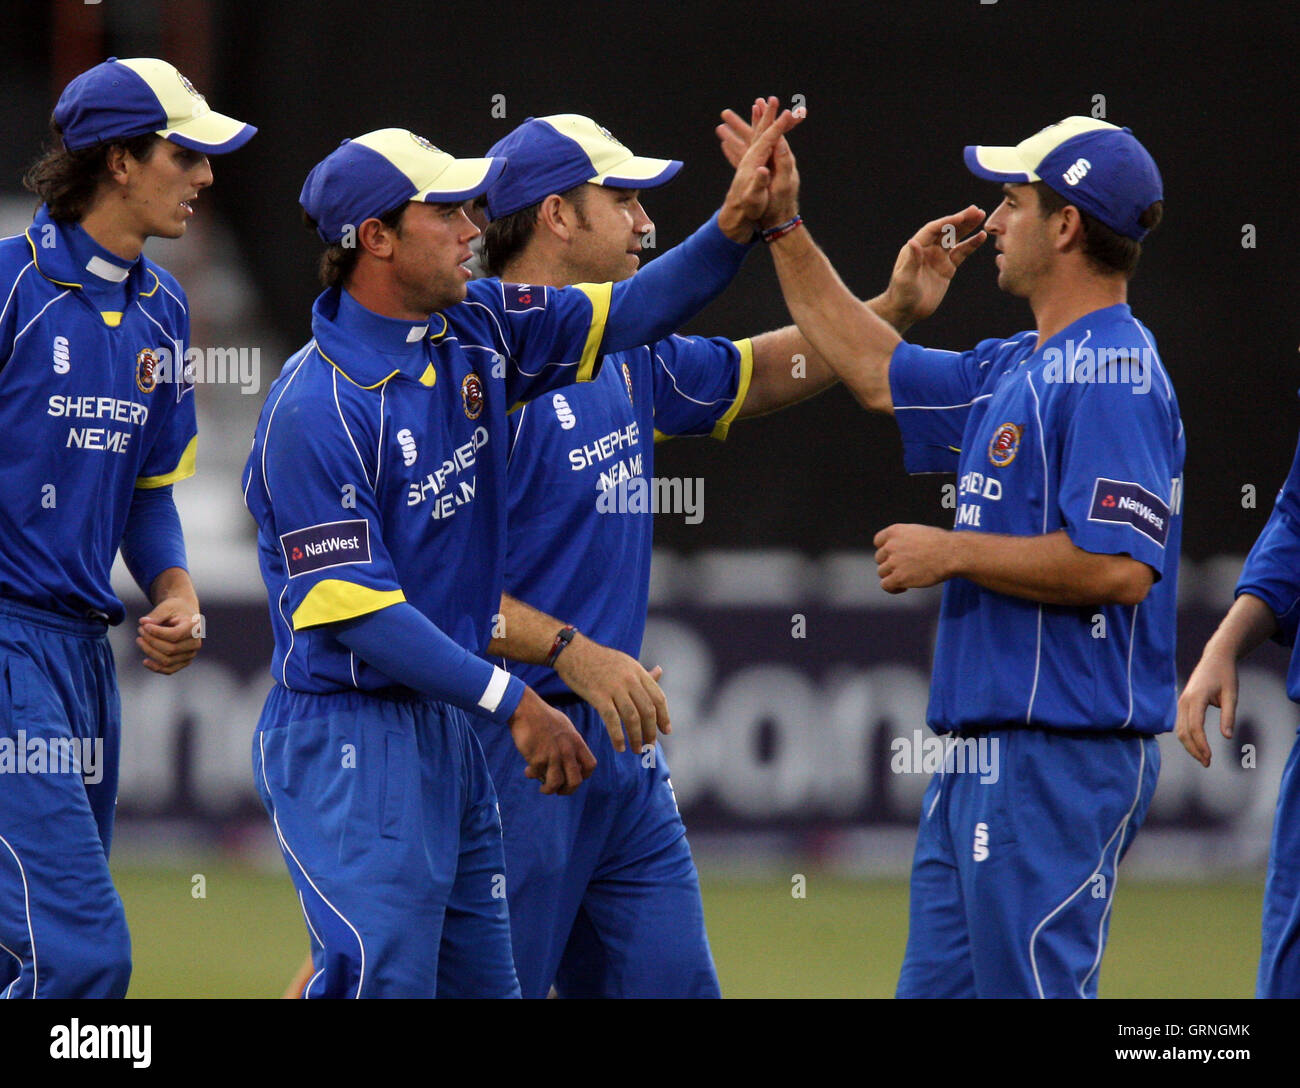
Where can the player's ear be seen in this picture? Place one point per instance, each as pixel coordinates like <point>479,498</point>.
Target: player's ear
<point>115,163</point>
<point>375,238</point>
<point>1069,229</point>
<point>557,215</point>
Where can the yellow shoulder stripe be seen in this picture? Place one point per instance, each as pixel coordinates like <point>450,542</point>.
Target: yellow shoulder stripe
<point>334,600</point>
<point>723,425</point>
<point>183,470</point>
<point>600,296</point>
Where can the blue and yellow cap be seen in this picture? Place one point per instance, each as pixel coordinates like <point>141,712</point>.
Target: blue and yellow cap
<point>1096,166</point>
<point>123,98</point>
<point>553,154</point>
<point>366,177</point>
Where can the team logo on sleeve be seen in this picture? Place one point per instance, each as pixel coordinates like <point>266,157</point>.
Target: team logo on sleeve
<point>471,394</point>
<point>521,296</point>
<point>146,365</point>
<point>1005,444</point>
<point>330,544</point>
<point>1131,504</point>
<point>627,377</point>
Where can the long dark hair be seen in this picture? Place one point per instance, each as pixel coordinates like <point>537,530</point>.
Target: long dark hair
<point>67,180</point>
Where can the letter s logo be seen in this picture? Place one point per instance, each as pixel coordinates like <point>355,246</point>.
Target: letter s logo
<point>563,412</point>
<point>407,441</point>
<point>981,852</point>
<point>1077,172</point>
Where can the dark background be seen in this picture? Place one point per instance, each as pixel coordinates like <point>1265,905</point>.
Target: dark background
<point>893,91</point>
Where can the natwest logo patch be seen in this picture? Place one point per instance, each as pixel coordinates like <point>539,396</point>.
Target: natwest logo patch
<point>331,544</point>
<point>1130,504</point>
<point>521,296</point>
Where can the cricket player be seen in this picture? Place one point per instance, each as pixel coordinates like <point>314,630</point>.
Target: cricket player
<point>100,424</point>
<point>377,478</point>
<point>580,868</point>
<point>1056,633</point>
<point>1267,596</point>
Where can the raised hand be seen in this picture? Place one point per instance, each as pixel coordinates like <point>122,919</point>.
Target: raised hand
<point>928,261</point>
<point>737,137</point>
<point>749,195</point>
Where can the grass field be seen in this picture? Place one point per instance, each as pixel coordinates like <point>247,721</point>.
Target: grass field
<point>845,939</point>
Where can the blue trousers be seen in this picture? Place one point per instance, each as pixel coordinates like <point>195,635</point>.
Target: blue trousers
<point>62,928</point>
<point>387,819</point>
<point>1279,961</point>
<point>1013,879</point>
<point>604,896</point>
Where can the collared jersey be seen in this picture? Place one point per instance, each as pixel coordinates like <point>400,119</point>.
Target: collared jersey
<point>1272,570</point>
<point>377,473</point>
<point>93,404</point>
<point>1081,433</point>
<point>581,476</point>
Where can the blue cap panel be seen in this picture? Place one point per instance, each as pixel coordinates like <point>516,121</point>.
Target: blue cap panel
<point>352,184</point>
<point>1109,175</point>
<point>540,161</point>
<point>107,102</point>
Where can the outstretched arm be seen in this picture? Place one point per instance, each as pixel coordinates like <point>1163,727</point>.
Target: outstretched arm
<point>675,286</point>
<point>848,334</point>
<point>788,369</point>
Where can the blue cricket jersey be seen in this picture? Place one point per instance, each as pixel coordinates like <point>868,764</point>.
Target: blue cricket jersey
<point>93,404</point>
<point>1272,570</point>
<point>567,556</point>
<point>378,468</point>
<point>378,463</point>
<point>1083,434</point>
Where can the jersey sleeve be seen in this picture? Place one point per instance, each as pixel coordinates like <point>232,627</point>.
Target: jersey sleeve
<point>1117,471</point>
<point>325,517</point>
<point>152,541</point>
<point>933,391</point>
<point>552,336</point>
<point>1272,570</point>
<point>173,455</point>
<point>700,384</point>
<point>547,336</point>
